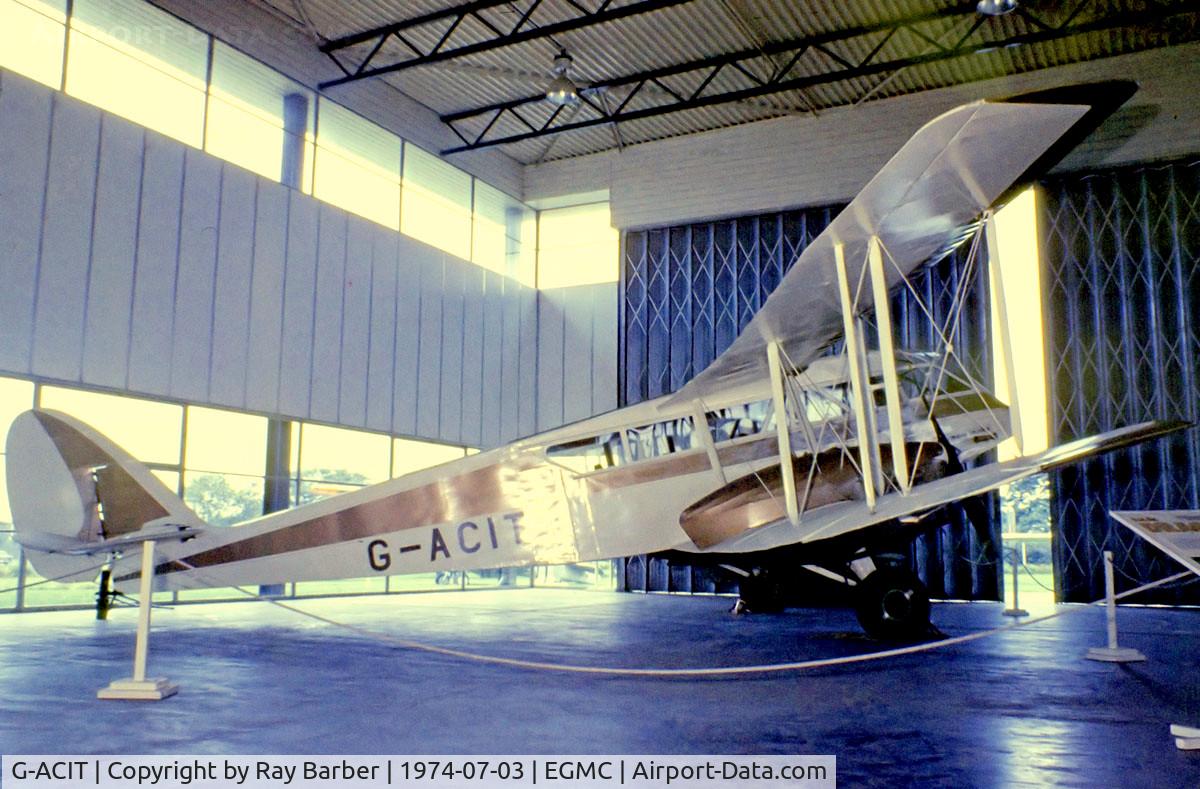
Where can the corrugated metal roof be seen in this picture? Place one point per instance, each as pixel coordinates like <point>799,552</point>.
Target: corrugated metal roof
<point>707,28</point>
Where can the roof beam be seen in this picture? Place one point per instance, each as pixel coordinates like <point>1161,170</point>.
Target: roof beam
<point>524,30</point>
<point>713,64</point>
<point>868,66</point>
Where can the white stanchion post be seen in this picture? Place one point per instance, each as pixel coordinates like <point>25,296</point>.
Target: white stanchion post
<point>1112,653</point>
<point>137,687</point>
<point>1016,609</point>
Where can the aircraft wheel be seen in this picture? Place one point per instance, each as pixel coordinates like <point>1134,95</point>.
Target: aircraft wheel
<point>893,605</point>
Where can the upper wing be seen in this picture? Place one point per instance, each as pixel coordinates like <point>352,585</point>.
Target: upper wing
<point>923,203</point>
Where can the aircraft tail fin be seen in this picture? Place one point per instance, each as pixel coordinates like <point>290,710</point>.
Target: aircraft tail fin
<point>76,496</point>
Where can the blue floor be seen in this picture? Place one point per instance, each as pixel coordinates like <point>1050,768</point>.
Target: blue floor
<point>1018,708</point>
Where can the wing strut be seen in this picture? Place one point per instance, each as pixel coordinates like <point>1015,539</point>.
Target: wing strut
<point>700,429</point>
<point>867,448</point>
<point>782,428</point>
<point>887,357</point>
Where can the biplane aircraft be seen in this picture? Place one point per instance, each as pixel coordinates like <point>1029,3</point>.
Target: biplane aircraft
<point>777,443</point>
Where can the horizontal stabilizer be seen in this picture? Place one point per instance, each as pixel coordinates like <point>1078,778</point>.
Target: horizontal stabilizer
<point>72,546</point>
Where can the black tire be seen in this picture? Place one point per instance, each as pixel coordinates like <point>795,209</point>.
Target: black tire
<point>893,605</point>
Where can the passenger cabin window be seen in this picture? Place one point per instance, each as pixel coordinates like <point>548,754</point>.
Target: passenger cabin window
<point>739,421</point>
<point>660,439</point>
<point>589,454</point>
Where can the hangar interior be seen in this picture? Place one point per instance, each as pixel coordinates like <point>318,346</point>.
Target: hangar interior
<point>283,249</point>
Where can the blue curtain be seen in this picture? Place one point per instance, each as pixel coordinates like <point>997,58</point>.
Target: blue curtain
<point>1123,296</point>
<point>687,291</point>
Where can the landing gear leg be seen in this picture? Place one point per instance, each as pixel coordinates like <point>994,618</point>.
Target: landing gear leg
<point>105,594</point>
<point>893,605</point>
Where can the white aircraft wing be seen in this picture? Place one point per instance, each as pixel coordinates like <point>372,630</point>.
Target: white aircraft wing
<point>836,519</point>
<point>921,205</point>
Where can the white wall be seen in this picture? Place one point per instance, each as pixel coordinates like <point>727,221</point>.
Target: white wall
<point>803,161</point>
<point>132,262</point>
<point>577,353</point>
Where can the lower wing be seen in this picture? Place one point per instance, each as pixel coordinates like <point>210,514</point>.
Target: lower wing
<point>841,518</point>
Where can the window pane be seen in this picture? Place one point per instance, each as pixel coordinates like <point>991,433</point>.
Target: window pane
<point>250,107</point>
<point>584,575</point>
<point>294,446</point>
<point>147,430</point>
<point>83,593</point>
<point>505,234</point>
<point>576,246</point>
<point>223,499</point>
<point>225,441</point>
<point>357,166</point>
<point>315,491</point>
<point>437,202</point>
<point>168,478</point>
<point>31,38</point>
<point>1020,272</point>
<point>15,397</point>
<point>410,456</point>
<point>373,584</point>
<point>335,454</point>
<point>217,593</point>
<point>10,554</point>
<point>128,57</point>
<point>6,521</point>
<point>416,582</point>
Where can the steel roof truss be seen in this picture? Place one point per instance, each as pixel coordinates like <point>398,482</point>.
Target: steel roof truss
<point>1104,19</point>
<point>447,49</point>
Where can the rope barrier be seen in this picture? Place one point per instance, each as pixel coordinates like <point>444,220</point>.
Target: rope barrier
<point>692,672</point>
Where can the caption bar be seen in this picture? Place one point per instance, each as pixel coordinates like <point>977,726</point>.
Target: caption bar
<point>310,772</point>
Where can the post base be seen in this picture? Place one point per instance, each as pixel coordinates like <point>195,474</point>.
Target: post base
<point>1187,738</point>
<point>1015,612</point>
<point>1115,654</point>
<point>154,689</point>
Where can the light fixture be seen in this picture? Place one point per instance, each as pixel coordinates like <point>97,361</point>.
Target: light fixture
<point>562,90</point>
<point>995,7</point>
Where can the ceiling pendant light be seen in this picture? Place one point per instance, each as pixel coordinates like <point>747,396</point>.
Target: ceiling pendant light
<point>562,90</point>
<point>995,7</point>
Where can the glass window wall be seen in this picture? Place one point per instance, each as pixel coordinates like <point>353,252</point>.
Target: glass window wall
<point>437,202</point>
<point>409,456</point>
<point>147,429</point>
<point>576,246</point>
<point>32,33</point>
<point>259,119</point>
<point>505,235</point>
<point>137,61</point>
<point>15,396</point>
<point>357,165</point>
<point>224,464</point>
